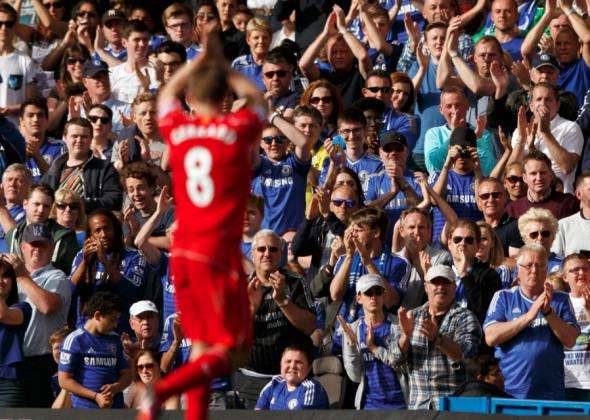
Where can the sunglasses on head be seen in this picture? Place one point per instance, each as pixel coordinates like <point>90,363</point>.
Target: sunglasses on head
<point>469,240</point>
<point>314,100</point>
<point>271,249</point>
<point>279,73</point>
<point>148,366</point>
<point>71,206</point>
<point>373,291</point>
<point>7,23</point>
<point>276,139</point>
<point>543,233</point>
<point>382,89</point>
<point>514,179</point>
<point>494,195</point>
<point>348,203</point>
<point>95,119</point>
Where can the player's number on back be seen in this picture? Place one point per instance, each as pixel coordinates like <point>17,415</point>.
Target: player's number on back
<point>199,185</point>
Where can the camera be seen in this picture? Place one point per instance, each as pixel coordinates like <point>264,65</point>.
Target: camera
<point>464,153</point>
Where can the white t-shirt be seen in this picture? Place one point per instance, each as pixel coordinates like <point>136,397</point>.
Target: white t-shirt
<point>572,235</point>
<point>125,85</point>
<point>577,359</point>
<point>16,71</point>
<point>569,136</point>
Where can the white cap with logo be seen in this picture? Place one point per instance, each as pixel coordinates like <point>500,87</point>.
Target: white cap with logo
<point>142,306</point>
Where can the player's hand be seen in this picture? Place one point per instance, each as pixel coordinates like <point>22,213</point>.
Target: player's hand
<point>255,294</point>
<point>279,286</point>
<point>348,331</point>
<point>90,248</point>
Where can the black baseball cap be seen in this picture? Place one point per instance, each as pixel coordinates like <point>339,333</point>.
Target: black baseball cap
<point>113,14</point>
<point>464,137</point>
<point>37,232</point>
<point>93,67</point>
<point>391,137</point>
<point>545,60</point>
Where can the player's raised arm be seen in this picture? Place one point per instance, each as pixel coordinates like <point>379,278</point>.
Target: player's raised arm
<point>244,88</point>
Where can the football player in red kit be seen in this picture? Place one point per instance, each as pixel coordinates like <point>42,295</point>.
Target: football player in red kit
<point>211,172</point>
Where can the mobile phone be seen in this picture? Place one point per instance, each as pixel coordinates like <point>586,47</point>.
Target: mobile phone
<point>338,141</point>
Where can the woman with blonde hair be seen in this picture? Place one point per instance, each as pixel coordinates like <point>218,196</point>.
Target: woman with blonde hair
<point>258,37</point>
<point>68,211</point>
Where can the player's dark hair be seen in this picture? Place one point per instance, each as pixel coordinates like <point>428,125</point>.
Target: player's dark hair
<point>35,101</point>
<point>138,170</point>
<point>171,47</point>
<point>538,156</point>
<point>43,188</point>
<point>135,25</point>
<point>373,218</point>
<point>208,84</point>
<point>104,303</point>
<point>300,348</point>
<point>352,115</point>
<point>7,271</point>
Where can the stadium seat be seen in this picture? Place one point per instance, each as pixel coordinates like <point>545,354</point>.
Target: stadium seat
<point>329,372</point>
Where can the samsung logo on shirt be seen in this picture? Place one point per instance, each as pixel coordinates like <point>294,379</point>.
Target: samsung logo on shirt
<point>100,361</point>
<point>191,132</point>
<point>276,183</point>
<point>460,198</point>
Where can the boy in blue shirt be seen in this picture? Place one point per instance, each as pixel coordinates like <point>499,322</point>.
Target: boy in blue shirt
<point>91,365</point>
<point>291,390</point>
<point>379,387</point>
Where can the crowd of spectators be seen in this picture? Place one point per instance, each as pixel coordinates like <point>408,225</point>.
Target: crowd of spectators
<point>419,214</point>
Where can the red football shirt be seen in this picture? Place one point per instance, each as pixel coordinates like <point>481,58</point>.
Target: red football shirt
<point>211,174</point>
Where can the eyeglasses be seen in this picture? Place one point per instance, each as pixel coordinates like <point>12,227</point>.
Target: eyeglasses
<point>347,131</point>
<point>86,14</point>
<point>276,139</point>
<point>393,147</point>
<point>208,16</point>
<point>271,249</point>
<point>469,240</point>
<point>71,206</point>
<point>543,233</point>
<point>55,5</point>
<point>96,118</point>
<point>495,195</point>
<point>514,179</point>
<point>382,89</point>
<point>314,100</point>
<point>74,60</point>
<point>373,291</point>
<point>7,23</point>
<point>148,366</point>
<point>279,73</point>
<point>348,203</point>
<point>529,267</point>
<point>179,25</point>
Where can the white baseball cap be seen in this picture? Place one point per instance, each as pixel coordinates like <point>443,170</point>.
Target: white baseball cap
<point>142,306</point>
<point>440,271</point>
<point>365,282</point>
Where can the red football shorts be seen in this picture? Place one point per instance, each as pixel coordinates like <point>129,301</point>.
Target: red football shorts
<point>212,299</point>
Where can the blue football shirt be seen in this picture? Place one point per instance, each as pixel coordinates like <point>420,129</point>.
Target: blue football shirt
<point>309,395</point>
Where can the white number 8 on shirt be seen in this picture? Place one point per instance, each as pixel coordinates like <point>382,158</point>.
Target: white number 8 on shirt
<point>199,185</point>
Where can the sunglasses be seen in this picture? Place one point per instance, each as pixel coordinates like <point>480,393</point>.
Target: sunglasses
<point>348,203</point>
<point>314,100</point>
<point>276,139</point>
<point>514,179</point>
<point>495,195</point>
<point>148,366</point>
<point>86,14</point>
<point>71,206</point>
<point>74,60</point>
<point>393,147</point>
<point>95,119</point>
<point>55,5</point>
<point>271,249</point>
<point>543,233</point>
<point>7,23</point>
<point>382,89</point>
<point>208,16</point>
<point>279,73</point>
<point>374,291</point>
<point>469,240</point>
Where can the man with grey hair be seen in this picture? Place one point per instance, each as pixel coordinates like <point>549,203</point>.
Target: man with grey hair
<point>282,309</point>
<point>530,324</point>
<point>16,180</point>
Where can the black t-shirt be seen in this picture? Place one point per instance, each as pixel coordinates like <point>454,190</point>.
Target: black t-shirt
<point>234,43</point>
<point>273,331</point>
<point>508,233</point>
<point>349,83</point>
